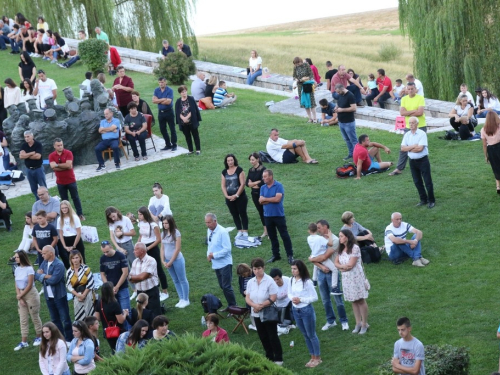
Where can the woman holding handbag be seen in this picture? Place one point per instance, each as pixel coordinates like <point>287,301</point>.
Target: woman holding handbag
<point>354,281</point>
<point>261,294</point>
<point>303,294</point>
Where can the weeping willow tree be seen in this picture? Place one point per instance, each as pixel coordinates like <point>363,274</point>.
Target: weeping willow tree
<point>138,24</point>
<point>454,41</point>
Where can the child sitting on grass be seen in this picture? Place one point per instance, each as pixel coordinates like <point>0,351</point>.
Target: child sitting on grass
<point>319,245</point>
<point>221,97</point>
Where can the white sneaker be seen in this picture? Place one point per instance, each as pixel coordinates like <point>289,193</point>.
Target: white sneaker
<point>252,327</point>
<point>21,345</point>
<point>133,296</point>
<point>327,326</point>
<point>345,326</point>
<point>292,326</point>
<point>37,341</point>
<point>183,304</point>
<point>238,235</point>
<point>163,296</point>
<point>40,292</point>
<point>178,303</point>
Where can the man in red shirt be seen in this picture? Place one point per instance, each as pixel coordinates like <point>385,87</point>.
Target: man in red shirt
<point>61,162</point>
<point>366,155</point>
<point>384,90</point>
<point>123,87</point>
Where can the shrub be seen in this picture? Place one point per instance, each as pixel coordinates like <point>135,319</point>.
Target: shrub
<point>389,52</point>
<point>94,53</point>
<point>439,360</point>
<point>176,68</point>
<point>189,355</point>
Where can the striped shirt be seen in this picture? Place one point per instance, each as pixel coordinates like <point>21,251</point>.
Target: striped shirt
<point>219,96</point>
<point>146,264</point>
<point>400,232</point>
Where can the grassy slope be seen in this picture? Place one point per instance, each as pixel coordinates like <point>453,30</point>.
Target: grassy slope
<point>352,40</point>
<point>450,302</point>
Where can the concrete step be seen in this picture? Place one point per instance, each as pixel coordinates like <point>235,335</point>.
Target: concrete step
<point>389,117</point>
<point>137,68</point>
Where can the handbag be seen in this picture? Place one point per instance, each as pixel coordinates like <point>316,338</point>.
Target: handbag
<point>270,313</point>
<point>89,234</point>
<point>112,331</point>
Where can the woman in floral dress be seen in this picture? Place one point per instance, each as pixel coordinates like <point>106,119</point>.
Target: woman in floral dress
<point>348,261</point>
<point>301,73</point>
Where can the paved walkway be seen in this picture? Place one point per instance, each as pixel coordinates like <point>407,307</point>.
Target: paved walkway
<point>82,172</point>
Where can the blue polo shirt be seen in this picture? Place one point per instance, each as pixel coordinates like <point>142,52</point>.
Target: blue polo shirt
<point>273,209</point>
<point>106,124</point>
<point>168,93</point>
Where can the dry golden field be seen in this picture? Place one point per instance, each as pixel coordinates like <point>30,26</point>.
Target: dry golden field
<point>353,40</point>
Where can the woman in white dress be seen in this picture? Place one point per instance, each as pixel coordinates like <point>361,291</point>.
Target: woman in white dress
<point>348,261</point>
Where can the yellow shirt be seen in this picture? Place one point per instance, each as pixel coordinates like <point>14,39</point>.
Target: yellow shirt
<point>411,104</point>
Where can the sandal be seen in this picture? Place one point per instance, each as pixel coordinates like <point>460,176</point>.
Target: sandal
<point>310,121</point>
<point>137,159</point>
<point>312,161</point>
<point>394,173</point>
<point>144,158</point>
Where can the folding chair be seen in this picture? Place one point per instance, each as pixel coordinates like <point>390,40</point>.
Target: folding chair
<point>149,120</point>
<point>240,314</point>
<point>109,150</point>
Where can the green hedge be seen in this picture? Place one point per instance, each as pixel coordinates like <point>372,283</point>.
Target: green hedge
<point>189,355</point>
<point>94,53</point>
<point>439,360</point>
<point>176,68</point>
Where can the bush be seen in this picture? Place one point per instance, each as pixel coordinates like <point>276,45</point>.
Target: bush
<point>189,355</point>
<point>176,68</point>
<point>439,360</point>
<point>389,52</point>
<point>94,53</point>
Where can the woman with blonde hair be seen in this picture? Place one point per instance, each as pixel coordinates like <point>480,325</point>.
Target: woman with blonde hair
<point>141,311</point>
<point>211,86</point>
<point>80,283</point>
<point>53,351</point>
<point>69,227</point>
<point>490,135</point>
<point>255,67</point>
<point>462,117</point>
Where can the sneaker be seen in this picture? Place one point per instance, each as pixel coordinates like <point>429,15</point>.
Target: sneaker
<point>118,167</point>
<point>345,326</point>
<point>178,303</point>
<point>327,326</point>
<point>279,363</point>
<point>292,326</point>
<point>32,54</point>
<point>238,235</point>
<point>37,341</point>
<point>174,148</point>
<point>198,152</point>
<point>40,292</point>
<point>418,263</point>
<point>252,327</point>
<point>163,296</point>
<point>185,303</point>
<point>424,261</point>
<point>348,158</point>
<point>61,65</point>
<point>101,168</point>
<point>356,329</point>
<point>36,55</point>
<point>21,345</point>
<point>336,292</point>
<point>53,62</point>
<point>133,296</point>
<point>166,148</point>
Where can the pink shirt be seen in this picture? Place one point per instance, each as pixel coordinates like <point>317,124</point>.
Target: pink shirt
<point>491,139</point>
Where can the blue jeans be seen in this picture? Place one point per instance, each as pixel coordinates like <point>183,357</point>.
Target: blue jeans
<point>15,45</point>
<point>483,114</point>
<point>225,276</point>
<point>325,287</point>
<point>59,310</point>
<point>55,53</point>
<point>71,61</point>
<point>305,318</point>
<point>6,159</point>
<point>348,132</point>
<point>252,77</point>
<point>36,178</point>
<point>104,145</point>
<point>73,190</point>
<point>3,41</point>
<point>123,298</point>
<point>352,88</point>
<point>178,274</point>
<point>399,253</point>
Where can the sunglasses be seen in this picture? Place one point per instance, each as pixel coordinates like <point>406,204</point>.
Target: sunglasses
<point>105,243</point>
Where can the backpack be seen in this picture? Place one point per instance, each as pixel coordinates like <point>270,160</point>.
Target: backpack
<point>210,303</point>
<point>348,170</point>
<point>370,254</point>
<point>265,157</point>
<point>450,135</point>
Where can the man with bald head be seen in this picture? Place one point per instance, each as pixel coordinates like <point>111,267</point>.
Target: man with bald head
<point>198,86</point>
<point>398,247</point>
<point>144,275</point>
<point>343,78</point>
<point>109,129</point>
<point>51,275</point>
<point>47,203</point>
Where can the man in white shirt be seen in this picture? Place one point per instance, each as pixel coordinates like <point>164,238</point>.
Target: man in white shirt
<point>418,85</point>
<point>44,87</point>
<point>284,151</point>
<point>86,83</point>
<point>198,86</point>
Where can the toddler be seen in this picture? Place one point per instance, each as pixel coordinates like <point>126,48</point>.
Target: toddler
<point>319,245</point>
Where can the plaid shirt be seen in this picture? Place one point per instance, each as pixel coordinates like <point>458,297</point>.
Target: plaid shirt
<point>146,264</point>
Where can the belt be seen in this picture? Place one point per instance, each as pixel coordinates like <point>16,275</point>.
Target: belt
<point>165,110</point>
<point>144,291</point>
<point>34,167</point>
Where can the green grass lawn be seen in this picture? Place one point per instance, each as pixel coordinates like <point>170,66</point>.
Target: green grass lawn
<point>451,301</point>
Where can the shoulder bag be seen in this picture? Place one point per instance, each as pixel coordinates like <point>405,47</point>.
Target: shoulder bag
<point>269,313</point>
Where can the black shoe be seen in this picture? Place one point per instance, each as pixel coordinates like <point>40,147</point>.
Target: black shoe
<point>431,204</point>
<point>360,104</point>
<point>9,229</point>
<point>174,148</point>
<point>273,259</point>
<point>290,259</point>
<point>166,148</point>
<point>422,203</point>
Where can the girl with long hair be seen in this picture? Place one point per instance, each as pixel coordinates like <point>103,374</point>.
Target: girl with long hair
<point>12,93</point>
<point>27,68</point>
<point>487,103</point>
<point>490,135</point>
<point>149,235</point>
<point>159,203</point>
<point>27,92</point>
<point>69,227</point>
<point>135,338</point>
<point>53,351</point>
<point>348,261</point>
<point>80,283</point>
<point>81,350</point>
<point>173,259</point>
<point>254,181</point>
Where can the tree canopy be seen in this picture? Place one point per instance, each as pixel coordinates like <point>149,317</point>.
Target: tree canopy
<point>137,24</point>
<point>454,42</point>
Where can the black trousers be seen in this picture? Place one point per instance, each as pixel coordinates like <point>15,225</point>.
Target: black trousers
<point>381,100</point>
<point>258,206</point>
<point>464,130</point>
<point>276,224</point>
<point>421,172</point>
<point>238,210</point>
<point>268,335</point>
<point>154,300</point>
<point>5,216</point>
<point>70,241</point>
<point>190,131</point>
<point>165,117</point>
<point>155,253</point>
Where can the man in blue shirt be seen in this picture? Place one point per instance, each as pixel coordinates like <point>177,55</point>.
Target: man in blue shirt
<point>167,48</point>
<point>4,31</point>
<point>110,133</point>
<point>164,97</point>
<point>272,195</point>
<point>219,254</point>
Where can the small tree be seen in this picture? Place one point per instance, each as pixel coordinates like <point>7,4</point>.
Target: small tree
<point>176,68</point>
<point>94,53</point>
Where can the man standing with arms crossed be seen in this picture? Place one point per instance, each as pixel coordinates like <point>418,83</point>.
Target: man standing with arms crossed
<point>408,351</point>
<point>164,96</point>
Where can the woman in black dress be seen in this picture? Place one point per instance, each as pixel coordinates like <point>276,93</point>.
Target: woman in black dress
<point>233,188</point>
<point>188,118</point>
<point>254,182</point>
<point>27,68</point>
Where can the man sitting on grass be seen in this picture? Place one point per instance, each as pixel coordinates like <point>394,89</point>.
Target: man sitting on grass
<point>328,116</point>
<point>284,151</point>
<point>221,97</point>
<point>366,155</point>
